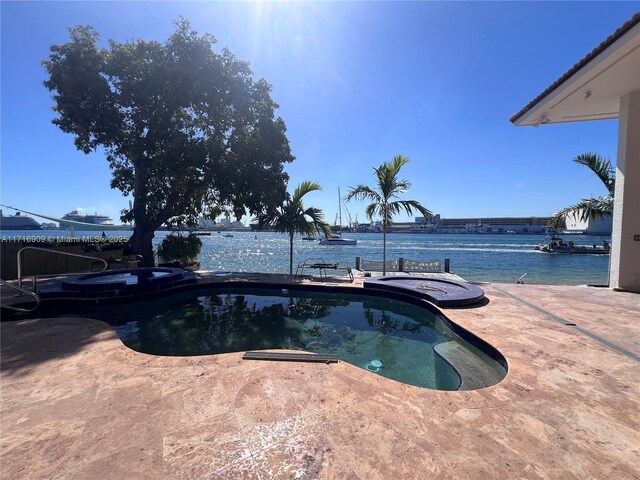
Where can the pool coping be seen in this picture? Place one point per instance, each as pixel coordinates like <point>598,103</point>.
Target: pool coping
<point>447,294</point>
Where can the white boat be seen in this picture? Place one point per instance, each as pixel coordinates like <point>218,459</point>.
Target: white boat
<point>76,216</point>
<point>337,239</point>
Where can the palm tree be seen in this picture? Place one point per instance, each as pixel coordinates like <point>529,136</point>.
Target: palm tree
<point>598,207</point>
<point>292,217</point>
<point>383,201</point>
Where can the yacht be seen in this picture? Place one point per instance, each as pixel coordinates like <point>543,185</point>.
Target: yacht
<point>337,240</point>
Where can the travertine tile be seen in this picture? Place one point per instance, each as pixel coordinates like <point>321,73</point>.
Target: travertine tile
<point>76,403</point>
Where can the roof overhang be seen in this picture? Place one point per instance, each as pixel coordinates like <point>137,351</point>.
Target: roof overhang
<point>592,88</point>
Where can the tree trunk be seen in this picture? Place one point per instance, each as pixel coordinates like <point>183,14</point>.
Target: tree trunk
<point>143,232</point>
<point>291,253</point>
<point>384,249</point>
<point>141,244</point>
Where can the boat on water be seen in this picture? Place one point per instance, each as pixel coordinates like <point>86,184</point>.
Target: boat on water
<point>76,216</point>
<point>337,239</point>
<point>18,222</point>
<point>555,244</point>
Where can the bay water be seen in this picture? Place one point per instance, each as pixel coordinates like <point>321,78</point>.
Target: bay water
<point>499,258</point>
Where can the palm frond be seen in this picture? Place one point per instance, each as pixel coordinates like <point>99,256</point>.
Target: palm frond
<point>362,192</point>
<point>316,221</point>
<point>371,210</point>
<point>600,207</point>
<point>389,187</point>
<point>303,188</point>
<point>601,167</point>
<point>292,217</point>
<point>397,163</point>
<point>410,205</point>
<point>592,207</point>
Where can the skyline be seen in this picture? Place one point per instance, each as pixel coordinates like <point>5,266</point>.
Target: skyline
<point>357,83</point>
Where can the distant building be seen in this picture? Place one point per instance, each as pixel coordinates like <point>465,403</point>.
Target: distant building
<point>206,223</point>
<point>226,222</point>
<point>591,226</point>
<point>526,225</point>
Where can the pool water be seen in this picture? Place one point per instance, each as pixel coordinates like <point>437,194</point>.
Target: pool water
<point>388,337</point>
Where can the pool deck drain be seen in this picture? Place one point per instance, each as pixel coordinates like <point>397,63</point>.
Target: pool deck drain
<point>76,403</point>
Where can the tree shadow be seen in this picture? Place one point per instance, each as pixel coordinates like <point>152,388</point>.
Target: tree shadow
<point>27,344</point>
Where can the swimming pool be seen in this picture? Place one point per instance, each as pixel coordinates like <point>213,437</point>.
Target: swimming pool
<point>126,282</point>
<point>385,336</point>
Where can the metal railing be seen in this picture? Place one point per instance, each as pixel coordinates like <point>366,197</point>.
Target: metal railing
<point>35,277</point>
<point>403,265</point>
<point>22,291</point>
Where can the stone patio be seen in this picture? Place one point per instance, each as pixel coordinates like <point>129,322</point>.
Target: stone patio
<point>77,403</point>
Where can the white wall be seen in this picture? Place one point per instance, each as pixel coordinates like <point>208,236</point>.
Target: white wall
<point>592,226</point>
<point>624,267</point>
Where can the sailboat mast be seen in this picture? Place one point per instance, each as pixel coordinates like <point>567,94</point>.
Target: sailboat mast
<point>340,212</point>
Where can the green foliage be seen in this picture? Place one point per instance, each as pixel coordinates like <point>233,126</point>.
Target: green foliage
<point>292,217</point>
<point>389,187</point>
<point>186,130</point>
<point>175,247</point>
<point>598,207</point>
<point>104,246</point>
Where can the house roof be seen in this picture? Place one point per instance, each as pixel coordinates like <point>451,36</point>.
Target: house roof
<point>602,76</point>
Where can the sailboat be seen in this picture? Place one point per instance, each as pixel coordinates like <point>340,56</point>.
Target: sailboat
<point>337,239</point>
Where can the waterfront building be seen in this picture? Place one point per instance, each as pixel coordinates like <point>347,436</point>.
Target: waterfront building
<point>603,85</point>
<point>206,222</point>
<point>522,225</point>
<point>228,224</point>
<point>590,226</point>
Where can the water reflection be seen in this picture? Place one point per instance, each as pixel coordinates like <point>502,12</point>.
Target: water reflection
<point>190,324</point>
<point>395,336</point>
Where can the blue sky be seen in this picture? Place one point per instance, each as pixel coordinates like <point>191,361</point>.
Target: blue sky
<point>357,83</point>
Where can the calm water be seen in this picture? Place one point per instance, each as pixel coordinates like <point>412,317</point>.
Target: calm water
<point>488,258</point>
<point>388,337</point>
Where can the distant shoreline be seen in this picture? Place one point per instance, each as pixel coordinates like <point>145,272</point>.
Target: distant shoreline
<point>54,232</point>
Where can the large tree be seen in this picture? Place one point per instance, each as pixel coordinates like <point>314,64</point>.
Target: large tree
<point>293,217</point>
<point>597,207</point>
<point>384,198</point>
<point>186,130</point>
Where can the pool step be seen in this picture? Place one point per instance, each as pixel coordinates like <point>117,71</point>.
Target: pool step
<point>473,373</point>
<point>291,357</point>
